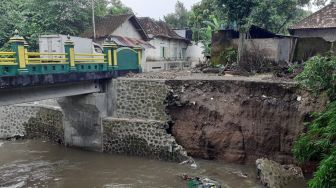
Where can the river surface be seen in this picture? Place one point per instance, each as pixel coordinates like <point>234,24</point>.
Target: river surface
<point>33,163</point>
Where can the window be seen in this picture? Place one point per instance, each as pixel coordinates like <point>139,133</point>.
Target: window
<point>163,52</point>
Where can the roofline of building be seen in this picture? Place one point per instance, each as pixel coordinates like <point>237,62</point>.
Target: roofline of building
<point>293,27</point>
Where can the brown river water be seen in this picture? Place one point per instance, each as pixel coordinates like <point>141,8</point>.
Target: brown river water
<point>34,164</point>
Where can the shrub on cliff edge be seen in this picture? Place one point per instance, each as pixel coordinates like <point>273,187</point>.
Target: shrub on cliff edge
<point>319,143</point>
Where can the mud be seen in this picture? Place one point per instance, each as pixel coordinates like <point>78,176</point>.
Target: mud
<point>237,120</point>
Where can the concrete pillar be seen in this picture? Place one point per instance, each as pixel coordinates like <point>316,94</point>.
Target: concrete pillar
<point>70,54</point>
<point>17,45</point>
<point>83,116</point>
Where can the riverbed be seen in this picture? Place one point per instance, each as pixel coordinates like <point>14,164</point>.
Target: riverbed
<point>36,163</point>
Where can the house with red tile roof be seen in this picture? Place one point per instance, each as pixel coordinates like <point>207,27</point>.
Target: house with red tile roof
<point>320,24</point>
<point>163,48</point>
<point>170,50</point>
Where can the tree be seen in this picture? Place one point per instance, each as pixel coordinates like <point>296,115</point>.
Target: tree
<point>117,7</point>
<point>178,19</point>
<point>37,17</point>
<point>200,13</point>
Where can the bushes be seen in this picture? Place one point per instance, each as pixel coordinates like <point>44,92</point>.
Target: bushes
<point>319,75</point>
<point>319,143</point>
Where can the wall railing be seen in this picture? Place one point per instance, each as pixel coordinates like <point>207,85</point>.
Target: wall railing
<point>20,61</point>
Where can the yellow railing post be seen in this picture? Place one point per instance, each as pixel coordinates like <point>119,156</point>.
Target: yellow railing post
<point>17,44</point>
<point>139,51</point>
<point>115,56</point>
<point>109,54</point>
<point>70,54</point>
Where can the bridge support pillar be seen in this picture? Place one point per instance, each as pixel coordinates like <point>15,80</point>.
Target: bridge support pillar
<point>82,119</point>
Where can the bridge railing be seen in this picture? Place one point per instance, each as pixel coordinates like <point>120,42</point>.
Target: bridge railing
<point>8,63</point>
<point>21,61</point>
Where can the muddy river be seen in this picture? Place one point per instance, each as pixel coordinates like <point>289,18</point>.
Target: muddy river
<point>32,163</point>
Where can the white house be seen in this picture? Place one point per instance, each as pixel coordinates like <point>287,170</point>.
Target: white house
<point>124,29</point>
<point>163,48</point>
<point>170,50</point>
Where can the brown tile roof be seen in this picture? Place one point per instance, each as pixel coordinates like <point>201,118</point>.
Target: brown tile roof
<point>324,18</point>
<point>107,25</point>
<point>130,42</point>
<point>155,28</point>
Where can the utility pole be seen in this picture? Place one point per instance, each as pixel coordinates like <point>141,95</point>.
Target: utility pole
<point>93,20</point>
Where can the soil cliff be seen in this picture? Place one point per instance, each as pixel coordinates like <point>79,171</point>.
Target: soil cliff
<point>238,121</point>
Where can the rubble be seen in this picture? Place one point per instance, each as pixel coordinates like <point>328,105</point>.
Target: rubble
<point>273,175</point>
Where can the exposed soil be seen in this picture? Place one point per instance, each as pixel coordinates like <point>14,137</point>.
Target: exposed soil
<point>239,120</point>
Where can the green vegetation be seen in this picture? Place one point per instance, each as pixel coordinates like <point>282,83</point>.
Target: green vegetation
<point>318,144</point>
<point>319,75</point>
<point>37,17</point>
<point>178,19</point>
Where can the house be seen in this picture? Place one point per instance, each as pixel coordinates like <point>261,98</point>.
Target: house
<point>170,50</point>
<point>260,44</point>
<point>320,24</point>
<point>124,29</point>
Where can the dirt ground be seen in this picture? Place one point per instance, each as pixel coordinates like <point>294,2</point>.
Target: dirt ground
<point>189,75</point>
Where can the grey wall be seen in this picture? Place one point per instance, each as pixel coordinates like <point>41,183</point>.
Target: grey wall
<point>326,34</point>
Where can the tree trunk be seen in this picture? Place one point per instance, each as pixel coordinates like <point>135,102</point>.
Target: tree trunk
<point>241,47</point>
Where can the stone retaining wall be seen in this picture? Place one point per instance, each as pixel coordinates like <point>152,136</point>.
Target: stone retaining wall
<point>142,99</point>
<point>32,121</point>
<point>139,125</point>
<point>146,138</point>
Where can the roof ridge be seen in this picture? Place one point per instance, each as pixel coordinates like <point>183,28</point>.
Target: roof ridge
<point>327,7</point>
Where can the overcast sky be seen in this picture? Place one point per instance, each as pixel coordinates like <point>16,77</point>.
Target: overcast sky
<point>159,8</point>
<point>156,8</point>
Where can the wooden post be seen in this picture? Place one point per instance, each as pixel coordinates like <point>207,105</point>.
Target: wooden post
<point>17,45</point>
<point>70,54</point>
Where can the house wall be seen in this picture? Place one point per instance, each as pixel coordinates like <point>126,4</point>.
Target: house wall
<point>170,45</point>
<point>195,52</point>
<point>155,61</point>
<point>326,34</point>
<point>127,30</point>
<point>274,48</point>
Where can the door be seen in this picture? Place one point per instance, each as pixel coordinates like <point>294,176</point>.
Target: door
<point>127,59</point>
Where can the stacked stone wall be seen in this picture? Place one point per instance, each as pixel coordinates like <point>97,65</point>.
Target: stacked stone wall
<point>31,121</point>
<point>145,138</point>
<point>141,99</point>
<point>139,125</point>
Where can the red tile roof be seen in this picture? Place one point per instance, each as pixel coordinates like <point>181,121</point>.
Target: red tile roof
<point>130,42</point>
<point>324,18</point>
<point>107,25</point>
<point>155,28</point>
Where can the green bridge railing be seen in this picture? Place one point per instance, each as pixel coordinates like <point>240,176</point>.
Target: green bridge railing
<point>19,61</point>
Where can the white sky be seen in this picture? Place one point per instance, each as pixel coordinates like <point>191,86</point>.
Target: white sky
<point>159,8</point>
<point>156,8</point>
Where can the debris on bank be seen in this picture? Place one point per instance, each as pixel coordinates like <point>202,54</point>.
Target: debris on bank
<point>200,182</point>
<point>273,175</point>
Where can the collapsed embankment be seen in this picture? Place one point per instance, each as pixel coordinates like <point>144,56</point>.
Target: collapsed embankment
<point>231,120</point>
<point>239,120</point>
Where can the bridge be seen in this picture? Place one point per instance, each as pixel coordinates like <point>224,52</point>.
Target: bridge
<point>31,76</point>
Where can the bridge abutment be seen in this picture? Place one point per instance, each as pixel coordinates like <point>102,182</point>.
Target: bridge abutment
<point>82,119</point>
